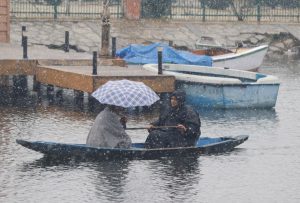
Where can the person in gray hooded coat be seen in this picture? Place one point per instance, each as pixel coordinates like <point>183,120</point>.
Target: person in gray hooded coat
<point>108,130</point>
<point>185,121</point>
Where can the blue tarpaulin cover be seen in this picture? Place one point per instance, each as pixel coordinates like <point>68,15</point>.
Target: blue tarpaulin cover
<point>143,54</point>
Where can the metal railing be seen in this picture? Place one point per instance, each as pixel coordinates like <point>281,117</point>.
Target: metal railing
<point>224,10</point>
<point>236,10</point>
<point>202,10</point>
<point>84,9</point>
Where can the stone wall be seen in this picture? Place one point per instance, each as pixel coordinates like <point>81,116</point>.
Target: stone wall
<point>86,35</point>
<point>280,44</point>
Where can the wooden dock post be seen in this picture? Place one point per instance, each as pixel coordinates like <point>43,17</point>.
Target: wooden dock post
<point>50,93</point>
<point>59,95</point>
<point>36,87</point>
<point>20,87</point>
<point>79,98</point>
<point>5,97</point>
<point>4,81</point>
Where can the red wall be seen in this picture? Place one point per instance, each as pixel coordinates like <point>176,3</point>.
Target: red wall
<point>4,21</point>
<point>132,9</point>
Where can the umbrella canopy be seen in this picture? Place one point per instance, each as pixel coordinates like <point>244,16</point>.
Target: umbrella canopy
<point>125,93</point>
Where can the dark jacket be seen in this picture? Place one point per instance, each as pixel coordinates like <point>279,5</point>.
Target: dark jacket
<point>172,116</point>
<point>184,115</point>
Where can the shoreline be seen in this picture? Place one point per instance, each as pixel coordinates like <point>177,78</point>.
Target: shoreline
<point>85,35</point>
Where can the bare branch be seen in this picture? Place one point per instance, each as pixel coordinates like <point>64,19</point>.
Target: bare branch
<point>105,17</point>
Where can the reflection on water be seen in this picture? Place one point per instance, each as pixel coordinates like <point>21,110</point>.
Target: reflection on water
<point>238,114</point>
<point>111,179</point>
<point>178,176</point>
<point>48,162</point>
<point>247,174</point>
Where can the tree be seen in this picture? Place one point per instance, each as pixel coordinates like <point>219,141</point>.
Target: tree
<point>105,37</point>
<point>241,9</point>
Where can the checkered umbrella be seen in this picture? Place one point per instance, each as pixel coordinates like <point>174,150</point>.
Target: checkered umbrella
<point>125,93</point>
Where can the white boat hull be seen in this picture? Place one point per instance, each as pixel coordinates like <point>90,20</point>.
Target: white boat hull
<point>223,88</point>
<point>246,60</point>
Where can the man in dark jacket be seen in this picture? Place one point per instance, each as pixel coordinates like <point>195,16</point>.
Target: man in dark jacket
<point>181,125</point>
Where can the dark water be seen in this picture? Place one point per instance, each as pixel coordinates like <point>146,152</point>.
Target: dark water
<point>266,168</point>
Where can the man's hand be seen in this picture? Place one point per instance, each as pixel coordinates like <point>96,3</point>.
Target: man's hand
<point>182,129</point>
<point>123,121</point>
<point>150,128</point>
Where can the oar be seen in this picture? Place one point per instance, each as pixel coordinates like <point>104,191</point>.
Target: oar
<point>144,128</point>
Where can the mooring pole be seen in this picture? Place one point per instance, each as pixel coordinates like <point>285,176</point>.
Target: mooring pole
<point>113,47</point>
<point>159,58</point>
<point>94,63</point>
<point>24,43</point>
<point>67,44</point>
<point>23,30</point>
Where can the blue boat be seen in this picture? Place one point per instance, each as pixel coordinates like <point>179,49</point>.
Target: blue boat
<point>225,88</point>
<point>204,145</point>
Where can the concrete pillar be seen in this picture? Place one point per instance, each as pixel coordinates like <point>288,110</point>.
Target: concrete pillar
<point>4,21</point>
<point>132,9</point>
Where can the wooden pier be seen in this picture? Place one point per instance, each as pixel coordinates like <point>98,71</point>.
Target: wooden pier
<point>74,70</point>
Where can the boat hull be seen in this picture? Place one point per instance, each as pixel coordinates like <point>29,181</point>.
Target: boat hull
<point>230,96</point>
<point>249,60</point>
<point>222,88</point>
<point>81,151</point>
